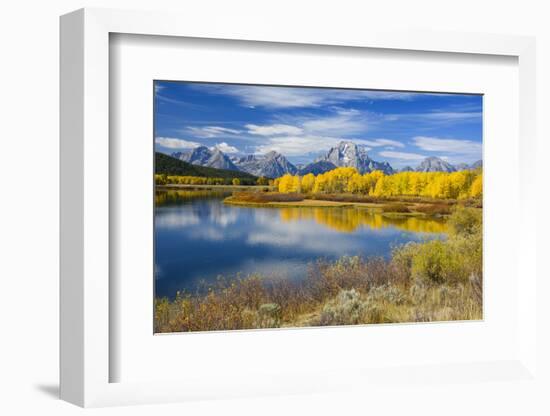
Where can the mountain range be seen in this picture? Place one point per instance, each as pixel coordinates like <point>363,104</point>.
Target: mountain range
<point>436,164</point>
<point>270,165</point>
<point>168,165</point>
<point>274,164</point>
<point>203,156</point>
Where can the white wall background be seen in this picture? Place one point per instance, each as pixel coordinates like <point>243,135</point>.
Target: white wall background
<point>29,57</point>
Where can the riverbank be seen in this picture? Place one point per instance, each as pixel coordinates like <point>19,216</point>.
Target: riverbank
<point>401,207</point>
<point>436,280</point>
<point>294,204</point>
<point>232,188</point>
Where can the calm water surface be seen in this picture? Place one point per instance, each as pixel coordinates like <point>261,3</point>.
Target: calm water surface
<point>198,238</point>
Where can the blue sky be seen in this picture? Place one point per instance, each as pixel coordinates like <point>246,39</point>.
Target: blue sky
<point>303,123</point>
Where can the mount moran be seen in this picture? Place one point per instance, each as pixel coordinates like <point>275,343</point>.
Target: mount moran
<point>274,165</point>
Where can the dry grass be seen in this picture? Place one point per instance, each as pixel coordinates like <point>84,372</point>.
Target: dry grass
<point>346,292</point>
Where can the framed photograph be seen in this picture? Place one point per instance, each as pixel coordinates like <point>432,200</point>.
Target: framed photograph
<point>243,215</point>
<point>251,181</point>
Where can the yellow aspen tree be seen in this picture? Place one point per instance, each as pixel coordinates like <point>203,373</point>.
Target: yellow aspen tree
<point>476,190</point>
<point>296,185</point>
<point>320,184</point>
<point>308,181</point>
<point>285,183</point>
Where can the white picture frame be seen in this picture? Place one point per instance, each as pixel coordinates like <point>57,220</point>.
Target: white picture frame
<point>86,356</point>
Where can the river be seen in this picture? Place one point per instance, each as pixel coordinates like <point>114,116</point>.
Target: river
<point>199,238</point>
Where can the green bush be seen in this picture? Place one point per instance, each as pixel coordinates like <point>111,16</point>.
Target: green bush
<point>465,221</point>
<point>450,261</point>
<point>438,262</point>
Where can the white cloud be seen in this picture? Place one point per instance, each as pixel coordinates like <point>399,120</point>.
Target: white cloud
<point>344,123</point>
<point>460,147</point>
<point>365,148</point>
<point>437,117</point>
<point>168,219</point>
<point>402,155</point>
<point>226,148</point>
<point>299,234</point>
<point>452,116</point>
<point>288,97</point>
<point>301,135</point>
<point>390,95</point>
<point>224,218</point>
<point>273,129</point>
<point>381,142</point>
<point>340,123</point>
<point>270,97</point>
<point>173,143</point>
<point>207,233</point>
<point>211,131</point>
<point>298,145</point>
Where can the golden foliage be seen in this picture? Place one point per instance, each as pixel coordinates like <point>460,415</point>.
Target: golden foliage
<point>456,185</point>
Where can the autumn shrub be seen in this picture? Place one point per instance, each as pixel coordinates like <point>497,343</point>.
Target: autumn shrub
<point>294,298</point>
<point>372,199</point>
<point>346,309</point>
<point>263,197</point>
<point>465,221</point>
<point>346,197</point>
<point>387,293</point>
<point>476,282</point>
<point>326,279</point>
<point>418,292</point>
<point>380,271</point>
<point>396,207</point>
<point>434,209</point>
<point>269,315</point>
<point>401,262</point>
<point>450,261</point>
<point>436,261</point>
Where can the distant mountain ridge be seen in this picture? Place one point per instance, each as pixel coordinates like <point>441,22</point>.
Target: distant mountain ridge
<point>270,165</point>
<point>274,164</point>
<point>169,165</point>
<point>318,167</point>
<point>203,156</point>
<point>435,164</point>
